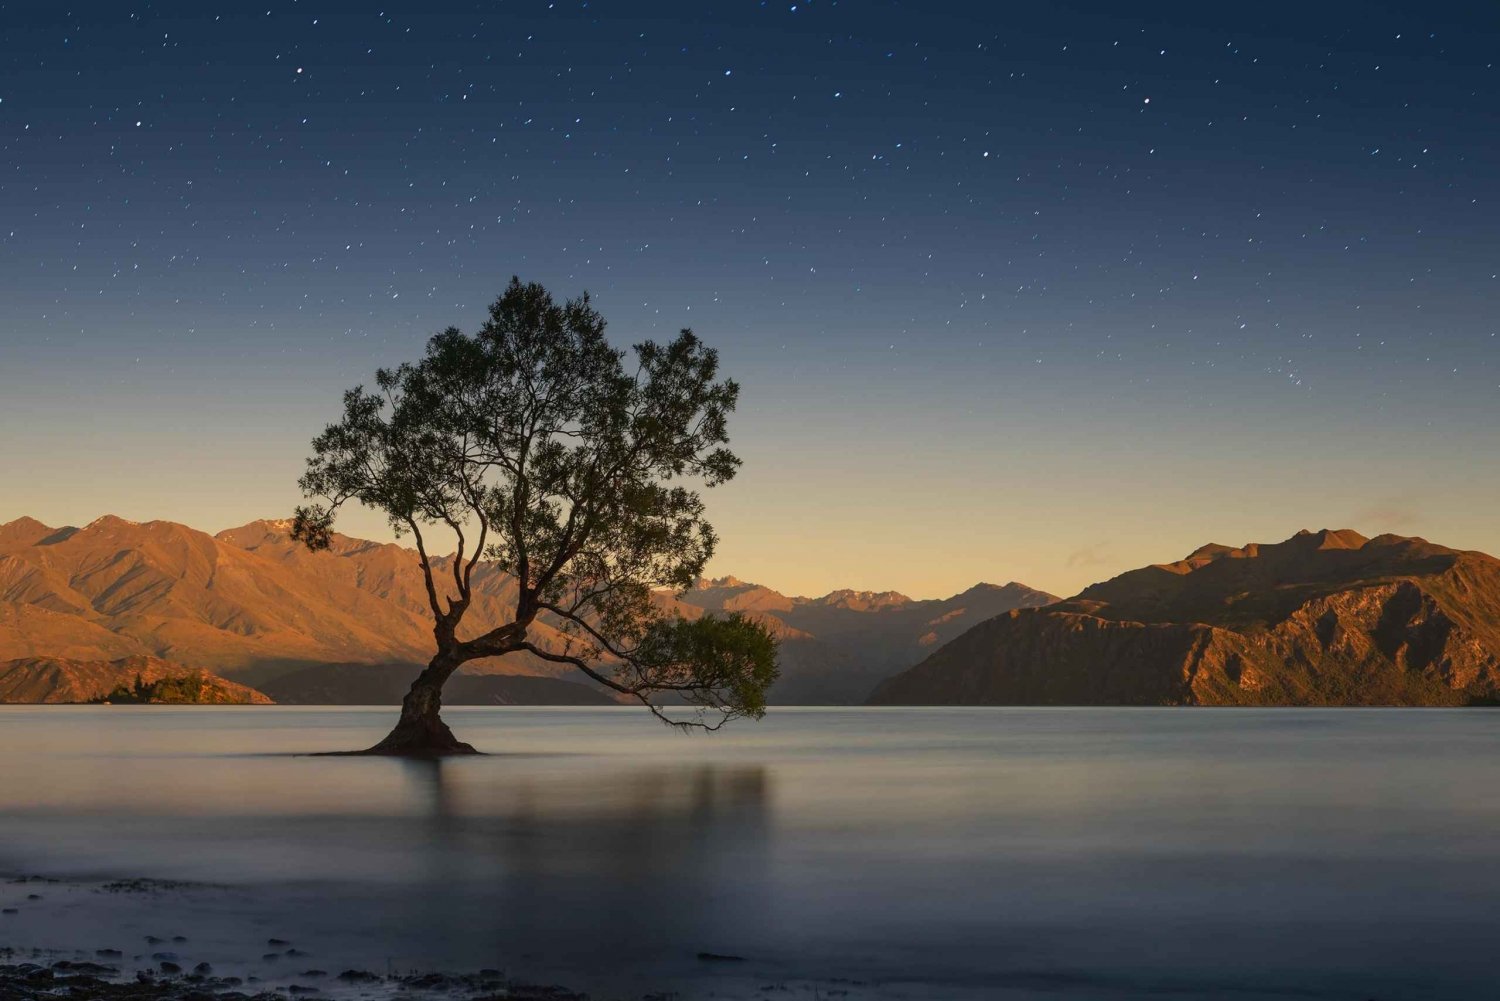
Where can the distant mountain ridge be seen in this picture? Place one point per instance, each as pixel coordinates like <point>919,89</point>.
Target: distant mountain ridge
<point>1323,618</point>
<point>835,649</point>
<point>254,605</point>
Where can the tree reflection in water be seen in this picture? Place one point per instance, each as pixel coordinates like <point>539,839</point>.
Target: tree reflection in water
<point>654,860</point>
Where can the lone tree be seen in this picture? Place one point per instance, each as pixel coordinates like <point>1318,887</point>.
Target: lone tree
<point>573,474</point>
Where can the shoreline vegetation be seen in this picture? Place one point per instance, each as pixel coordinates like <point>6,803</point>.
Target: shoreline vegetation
<point>193,689</point>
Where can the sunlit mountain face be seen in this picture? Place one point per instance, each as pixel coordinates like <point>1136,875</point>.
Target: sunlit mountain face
<point>347,624</point>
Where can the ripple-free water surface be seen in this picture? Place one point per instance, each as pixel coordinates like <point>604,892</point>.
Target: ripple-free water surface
<point>1057,852</point>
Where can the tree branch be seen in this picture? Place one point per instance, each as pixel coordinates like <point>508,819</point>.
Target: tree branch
<point>604,642</point>
<point>498,642</point>
<point>432,595</point>
<point>641,693</point>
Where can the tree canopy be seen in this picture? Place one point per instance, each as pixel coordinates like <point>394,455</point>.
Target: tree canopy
<point>576,468</point>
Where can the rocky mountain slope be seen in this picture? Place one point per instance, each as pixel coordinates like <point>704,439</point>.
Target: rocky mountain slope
<point>61,680</point>
<point>1325,618</point>
<point>253,605</point>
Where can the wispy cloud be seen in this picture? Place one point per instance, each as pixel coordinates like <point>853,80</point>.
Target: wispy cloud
<point>1090,556</point>
<point>1391,514</point>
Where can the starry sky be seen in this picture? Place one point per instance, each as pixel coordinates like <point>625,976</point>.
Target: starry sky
<point>1038,292</point>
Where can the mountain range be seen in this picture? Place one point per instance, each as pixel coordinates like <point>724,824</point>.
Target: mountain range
<point>1323,618</point>
<point>837,648</point>
<point>254,606</point>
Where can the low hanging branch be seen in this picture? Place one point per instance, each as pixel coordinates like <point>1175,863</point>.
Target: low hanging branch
<point>569,472</point>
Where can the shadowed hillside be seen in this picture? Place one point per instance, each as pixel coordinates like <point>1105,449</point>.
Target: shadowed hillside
<point>385,684</point>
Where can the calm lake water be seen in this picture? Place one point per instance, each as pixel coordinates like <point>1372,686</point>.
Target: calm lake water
<point>924,853</point>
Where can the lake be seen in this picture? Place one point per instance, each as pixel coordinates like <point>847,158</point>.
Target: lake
<point>912,853</point>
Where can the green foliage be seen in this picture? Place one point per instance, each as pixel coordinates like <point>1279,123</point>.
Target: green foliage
<point>573,471</point>
<point>703,658</point>
<point>180,690</point>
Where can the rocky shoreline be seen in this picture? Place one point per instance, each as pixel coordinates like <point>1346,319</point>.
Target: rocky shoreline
<point>35,979</point>
<point>165,967</point>
<point>114,938</point>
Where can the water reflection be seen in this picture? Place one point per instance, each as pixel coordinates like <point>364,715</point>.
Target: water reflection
<point>1172,850</point>
<point>629,860</point>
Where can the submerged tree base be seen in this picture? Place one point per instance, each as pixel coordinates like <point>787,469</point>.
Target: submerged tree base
<point>418,737</point>
<point>459,749</point>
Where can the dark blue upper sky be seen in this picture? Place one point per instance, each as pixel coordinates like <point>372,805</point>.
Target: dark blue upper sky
<point>1039,293</point>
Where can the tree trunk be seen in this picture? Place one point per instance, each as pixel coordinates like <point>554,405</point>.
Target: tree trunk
<point>421,732</point>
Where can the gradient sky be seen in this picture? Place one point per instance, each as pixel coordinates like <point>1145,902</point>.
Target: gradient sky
<point>1039,293</point>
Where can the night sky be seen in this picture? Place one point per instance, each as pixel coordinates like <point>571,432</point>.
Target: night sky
<point>1039,293</point>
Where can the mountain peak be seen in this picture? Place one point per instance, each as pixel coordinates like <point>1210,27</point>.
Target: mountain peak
<point>863,600</point>
<point>24,522</point>
<point>24,531</point>
<point>1329,538</point>
<point>112,526</point>
<point>1211,551</point>
<point>1304,541</point>
<point>108,521</point>
<point>985,585</point>
<point>1013,589</point>
<point>256,531</point>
